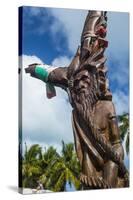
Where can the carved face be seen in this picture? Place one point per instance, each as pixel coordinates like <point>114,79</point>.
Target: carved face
<point>82,81</point>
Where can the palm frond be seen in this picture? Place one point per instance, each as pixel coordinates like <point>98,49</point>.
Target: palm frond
<point>60,183</point>
<point>72,179</point>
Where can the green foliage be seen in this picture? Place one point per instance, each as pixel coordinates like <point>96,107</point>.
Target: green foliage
<point>124,129</point>
<point>31,168</point>
<point>55,170</point>
<point>52,169</point>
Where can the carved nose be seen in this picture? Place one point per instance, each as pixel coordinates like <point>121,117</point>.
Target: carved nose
<point>81,85</point>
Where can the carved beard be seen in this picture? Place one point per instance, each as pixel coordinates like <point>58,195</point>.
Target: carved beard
<point>85,99</point>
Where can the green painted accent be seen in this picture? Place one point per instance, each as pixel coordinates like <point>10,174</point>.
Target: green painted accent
<point>41,73</point>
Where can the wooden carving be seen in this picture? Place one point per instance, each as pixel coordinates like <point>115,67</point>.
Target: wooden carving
<point>95,126</point>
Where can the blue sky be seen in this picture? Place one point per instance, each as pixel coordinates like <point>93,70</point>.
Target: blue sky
<point>51,36</point>
<point>38,37</point>
<point>46,35</point>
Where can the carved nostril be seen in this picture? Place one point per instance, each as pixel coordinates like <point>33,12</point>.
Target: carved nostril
<point>81,87</point>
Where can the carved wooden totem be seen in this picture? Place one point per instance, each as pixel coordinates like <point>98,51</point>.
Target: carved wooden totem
<point>95,126</point>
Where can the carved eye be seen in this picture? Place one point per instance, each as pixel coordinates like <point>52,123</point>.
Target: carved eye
<point>84,77</point>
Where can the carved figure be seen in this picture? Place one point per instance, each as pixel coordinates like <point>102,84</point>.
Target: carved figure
<point>95,126</point>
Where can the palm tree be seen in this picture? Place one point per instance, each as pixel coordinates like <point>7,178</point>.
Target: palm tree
<point>49,157</point>
<point>124,129</point>
<point>31,167</point>
<point>64,169</point>
<point>55,171</point>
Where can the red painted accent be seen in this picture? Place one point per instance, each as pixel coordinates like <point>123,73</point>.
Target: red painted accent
<point>101,31</point>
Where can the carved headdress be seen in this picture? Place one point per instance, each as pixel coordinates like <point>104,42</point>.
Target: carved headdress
<point>93,45</point>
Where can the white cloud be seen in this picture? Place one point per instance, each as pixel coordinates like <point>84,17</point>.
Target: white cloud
<point>49,121</point>
<point>70,22</point>
<point>44,121</point>
<point>121,102</point>
<point>27,60</point>
<point>61,61</point>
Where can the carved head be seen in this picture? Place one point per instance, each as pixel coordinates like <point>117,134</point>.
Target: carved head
<point>82,81</point>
